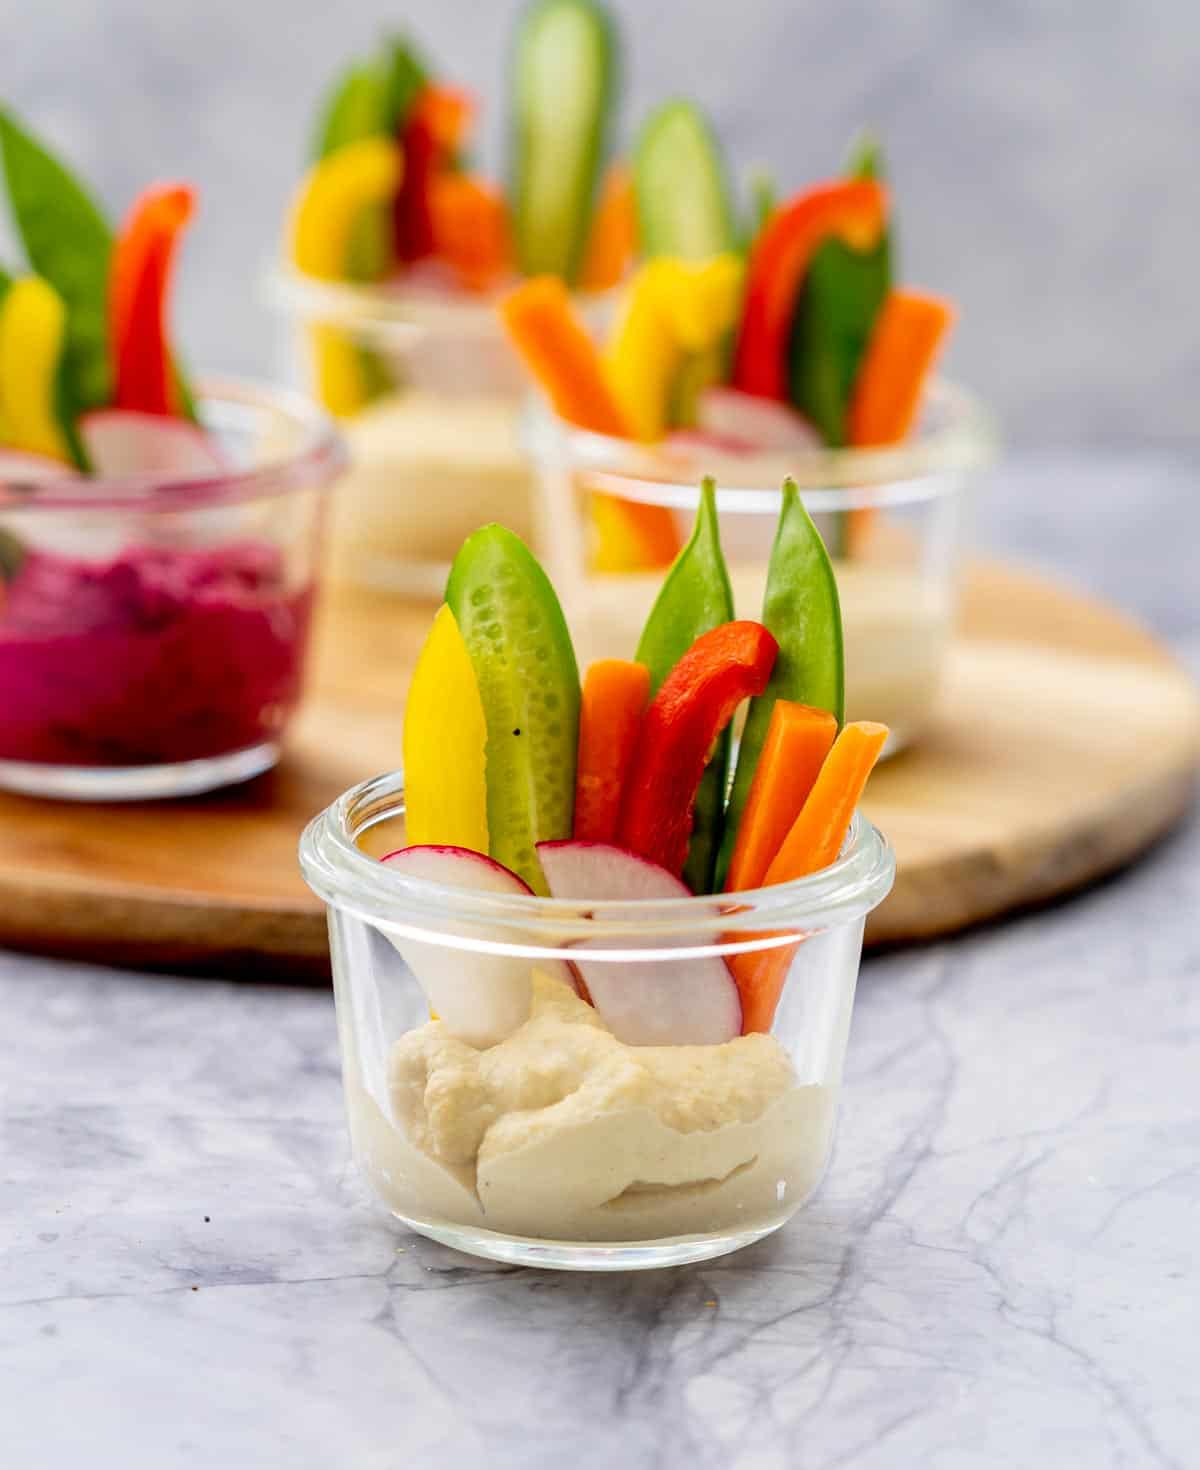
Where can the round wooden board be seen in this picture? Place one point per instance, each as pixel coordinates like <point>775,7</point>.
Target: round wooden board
<point>1066,740</point>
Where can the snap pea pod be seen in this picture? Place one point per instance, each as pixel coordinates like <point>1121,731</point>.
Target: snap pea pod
<point>520,649</point>
<point>801,608</point>
<point>695,597</point>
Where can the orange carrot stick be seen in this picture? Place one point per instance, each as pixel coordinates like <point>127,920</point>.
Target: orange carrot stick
<point>615,692</point>
<point>798,740</point>
<point>558,351</point>
<point>903,345</point>
<point>469,218</point>
<point>891,378</point>
<point>613,239</point>
<point>814,841</point>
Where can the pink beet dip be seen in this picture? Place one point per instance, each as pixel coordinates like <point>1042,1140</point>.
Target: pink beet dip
<point>161,654</point>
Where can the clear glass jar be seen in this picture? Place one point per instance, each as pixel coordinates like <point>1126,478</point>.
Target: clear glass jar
<point>560,1145</point>
<point>436,450</point>
<point>894,521</point>
<point>153,627</point>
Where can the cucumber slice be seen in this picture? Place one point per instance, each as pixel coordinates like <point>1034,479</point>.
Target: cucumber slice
<point>682,184</point>
<point>520,649</point>
<point>564,77</point>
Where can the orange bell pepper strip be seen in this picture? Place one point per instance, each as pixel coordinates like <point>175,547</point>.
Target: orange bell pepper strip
<point>433,130</point>
<point>693,705</point>
<point>813,842</point>
<point>612,243</point>
<point>798,740</point>
<point>615,692</point>
<point>139,283</point>
<point>903,345</point>
<point>469,220</point>
<point>853,210</point>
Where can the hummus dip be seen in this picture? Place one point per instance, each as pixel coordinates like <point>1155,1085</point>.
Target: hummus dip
<point>561,1132</point>
<point>427,469</point>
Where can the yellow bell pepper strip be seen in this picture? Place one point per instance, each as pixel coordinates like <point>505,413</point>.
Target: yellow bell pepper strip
<point>332,198</point>
<point>555,346</point>
<point>33,323</point>
<point>675,310</point>
<point>852,210</point>
<point>445,736</point>
<point>142,263</point>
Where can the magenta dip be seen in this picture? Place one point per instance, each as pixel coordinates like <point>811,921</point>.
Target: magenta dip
<point>158,655</point>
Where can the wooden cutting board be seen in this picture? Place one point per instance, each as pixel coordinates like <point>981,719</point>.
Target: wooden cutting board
<point>1066,741</point>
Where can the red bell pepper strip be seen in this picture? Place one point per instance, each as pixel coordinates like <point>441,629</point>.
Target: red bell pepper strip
<point>694,703</point>
<point>143,259</point>
<point>854,210</point>
<point>430,135</point>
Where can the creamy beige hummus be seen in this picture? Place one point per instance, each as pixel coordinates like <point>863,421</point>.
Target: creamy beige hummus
<point>561,1132</point>
<point>427,469</point>
<point>897,632</point>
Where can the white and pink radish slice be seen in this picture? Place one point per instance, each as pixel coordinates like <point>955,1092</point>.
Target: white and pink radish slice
<point>17,467</point>
<point>480,998</point>
<point>729,415</point>
<point>661,1002</point>
<point>121,441</point>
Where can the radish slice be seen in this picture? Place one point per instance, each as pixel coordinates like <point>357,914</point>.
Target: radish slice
<point>20,468</point>
<point>686,1002</point>
<point>479,998</point>
<point>121,441</point>
<point>727,414</point>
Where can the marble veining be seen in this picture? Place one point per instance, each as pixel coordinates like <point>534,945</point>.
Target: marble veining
<point>999,1271</point>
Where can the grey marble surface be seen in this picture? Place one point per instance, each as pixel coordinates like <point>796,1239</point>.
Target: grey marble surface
<point>999,1271</point>
<point>1039,151</point>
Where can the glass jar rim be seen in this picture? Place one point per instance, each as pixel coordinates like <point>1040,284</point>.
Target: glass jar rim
<point>929,466</point>
<point>319,456</point>
<point>337,869</point>
<point>395,310</point>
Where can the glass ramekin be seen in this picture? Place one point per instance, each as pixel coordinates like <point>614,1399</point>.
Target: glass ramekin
<point>436,453</point>
<point>894,521</point>
<point>153,628</point>
<point>559,1146</point>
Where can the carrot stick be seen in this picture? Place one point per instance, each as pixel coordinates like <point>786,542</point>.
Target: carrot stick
<point>615,692</point>
<point>560,354</point>
<point>902,348</point>
<point>613,239</point>
<point>798,740</point>
<point>470,229</point>
<point>814,841</point>
<point>891,378</point>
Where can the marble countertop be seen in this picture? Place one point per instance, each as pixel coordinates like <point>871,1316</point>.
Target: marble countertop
<point>999,1271</point>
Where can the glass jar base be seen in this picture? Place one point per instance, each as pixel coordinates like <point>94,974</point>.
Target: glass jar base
<point>138,783</point>
<point>566,1255</point>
